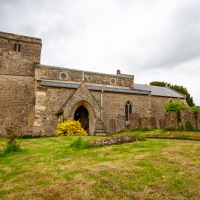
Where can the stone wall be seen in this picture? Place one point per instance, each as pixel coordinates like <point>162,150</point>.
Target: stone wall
<point>100,105</point>
<point>48,101</point>
<point>135,121</point>
<point>198,121</point>
<point>188,116</point>
<point>18,62</point>
<point>158,102</point>
<point>18,55</point>
<point>17,101</point>
<point>171,120</point>
<point>71,75</point>
<point>148,122</point>
<point>114,104</point>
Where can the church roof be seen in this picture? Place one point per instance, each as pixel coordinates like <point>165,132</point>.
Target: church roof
<point>138,89</point>
<point>159,91</point>
<point>94,87</point>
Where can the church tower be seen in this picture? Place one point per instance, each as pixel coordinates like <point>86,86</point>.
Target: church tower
<point>18,56</point>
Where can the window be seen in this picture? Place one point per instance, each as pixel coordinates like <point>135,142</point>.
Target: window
<point>17,47</point>
<point>63,76</point>
<point>89,78</point>
<point>113,81</point>
<point>128,110</point>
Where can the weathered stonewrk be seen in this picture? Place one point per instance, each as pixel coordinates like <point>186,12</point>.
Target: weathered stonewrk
<point>120,122</point>
<point>161,123</point>
<point>113,140</point>
<point>17,79</point>
<point>198,121</point>
<point>148,122</point>
<point>188,116</point>
<point>171,120</point>
<point>134,121</point>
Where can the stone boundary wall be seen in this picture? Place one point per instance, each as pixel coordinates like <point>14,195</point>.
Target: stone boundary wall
<point>161,123</point>
<point>198,120</point>
<point>171,120</point>
<point>188,116</point>
<point>148,122</point>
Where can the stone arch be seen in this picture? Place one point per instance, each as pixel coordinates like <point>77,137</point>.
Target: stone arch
<point>91,114</point>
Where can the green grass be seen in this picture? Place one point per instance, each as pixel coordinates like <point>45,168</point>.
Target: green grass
<point>48,168</point>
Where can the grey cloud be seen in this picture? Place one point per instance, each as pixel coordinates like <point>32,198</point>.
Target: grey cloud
<point>137,36</point>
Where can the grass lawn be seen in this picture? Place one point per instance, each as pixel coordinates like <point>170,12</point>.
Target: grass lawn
<point>159,133</point>
<point>48,168</point>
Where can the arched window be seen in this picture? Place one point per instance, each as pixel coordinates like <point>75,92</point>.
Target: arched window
<point>128,110</point>
<point>19,47</point>
<point>15,47</point>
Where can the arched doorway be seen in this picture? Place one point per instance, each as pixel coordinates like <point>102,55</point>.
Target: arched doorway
<point>90,113</point>
<point>81,114</point>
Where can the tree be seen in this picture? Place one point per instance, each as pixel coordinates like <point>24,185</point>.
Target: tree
<point>178,88</point>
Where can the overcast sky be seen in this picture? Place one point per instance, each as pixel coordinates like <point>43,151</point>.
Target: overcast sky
<point>155,40</point>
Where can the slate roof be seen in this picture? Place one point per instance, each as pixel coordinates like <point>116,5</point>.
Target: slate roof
<point>120,90</point>
<point>138,89</point>
<point>159,91</point>
<point>94,87</point>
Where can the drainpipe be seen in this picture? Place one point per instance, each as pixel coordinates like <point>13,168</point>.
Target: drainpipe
<point>63,116</point>
<point>83,76</point>
<point>101,104</point>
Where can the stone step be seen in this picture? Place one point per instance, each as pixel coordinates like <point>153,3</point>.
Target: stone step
<point>100,134</point>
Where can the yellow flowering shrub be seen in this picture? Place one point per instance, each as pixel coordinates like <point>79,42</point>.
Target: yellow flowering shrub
<point>70,128</point>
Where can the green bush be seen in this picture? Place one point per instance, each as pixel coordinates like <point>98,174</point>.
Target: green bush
<point>14,147</point>
<point>12,133</point>
<point>196,109</point>
<point>188,126</point>
<point>175,106</point>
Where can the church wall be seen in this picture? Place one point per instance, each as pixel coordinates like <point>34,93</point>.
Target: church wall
<point>48,101</point>
<point>158,102</point>
<point>114,104</point>
<point>16,102</point>
<point>18,55</point>
<point>20,62</point>
<point>69,75</point>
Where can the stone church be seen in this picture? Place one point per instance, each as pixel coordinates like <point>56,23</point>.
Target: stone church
<point>37,97</point>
